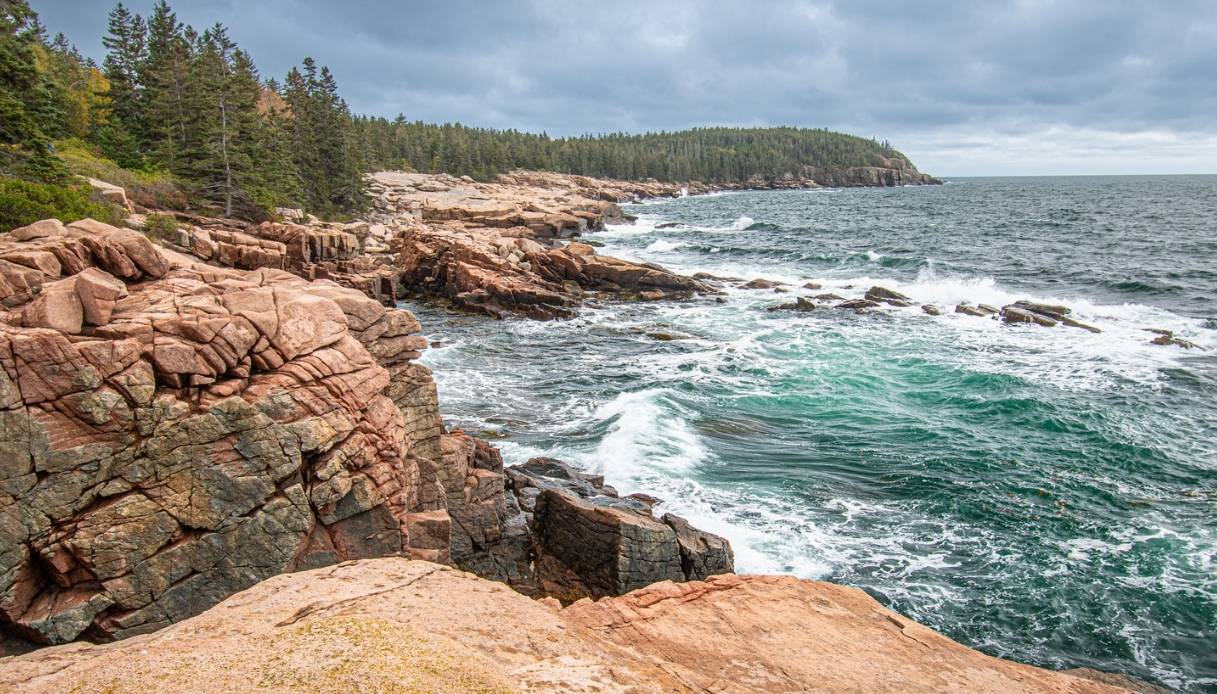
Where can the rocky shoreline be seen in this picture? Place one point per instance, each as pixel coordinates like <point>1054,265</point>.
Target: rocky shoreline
<point>190,409</point>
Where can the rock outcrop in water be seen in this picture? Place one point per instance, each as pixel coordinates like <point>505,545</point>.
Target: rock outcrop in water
<point>172,432</point>
<point>496,248</point>
<point>399,625</point>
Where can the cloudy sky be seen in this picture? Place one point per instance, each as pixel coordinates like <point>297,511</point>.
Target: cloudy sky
<point>963,88</point>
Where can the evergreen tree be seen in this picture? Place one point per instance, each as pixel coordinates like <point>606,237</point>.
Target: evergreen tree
<point>29,99</point>
<point>164,74</point>
<point>126,46</point>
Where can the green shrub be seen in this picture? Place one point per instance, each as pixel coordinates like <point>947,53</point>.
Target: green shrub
<point>25,202</point>
<point>161,226</point>
<point>152,189</point>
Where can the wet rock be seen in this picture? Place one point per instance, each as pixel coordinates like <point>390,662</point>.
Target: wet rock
<point>858,304</point>
<point>1053,311</point>
<point>813,285</point>
<point>1012,315</point>
<point>988,310</point>
<point>887,296</point>
<point>1170,339</point>
<point>799,304</point>
<point>1066,320</point>
<point>829,296</point>
<point>931,310</point>
<point>669,225</point>
<point>970,310</point>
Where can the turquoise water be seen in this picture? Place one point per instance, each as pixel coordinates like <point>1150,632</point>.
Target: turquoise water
<point>1042,494</point>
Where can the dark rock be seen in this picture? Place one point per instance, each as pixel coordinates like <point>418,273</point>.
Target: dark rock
<point>858,304</point>
<point>813,285</point>
<point>586,550</point>
<point>799,304</point>
<point>589,542</point>
<point>701,554</point>
<point>828,297</point>
<point>931,309</point>
<point>669,225</point>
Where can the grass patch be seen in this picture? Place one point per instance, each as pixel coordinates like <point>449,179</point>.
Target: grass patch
<point>152,189</point>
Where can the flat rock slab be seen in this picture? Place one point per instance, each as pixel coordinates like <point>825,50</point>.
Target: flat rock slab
<point>398,625</point>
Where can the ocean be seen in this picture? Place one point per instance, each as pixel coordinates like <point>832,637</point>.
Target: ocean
<point>1042,494</point>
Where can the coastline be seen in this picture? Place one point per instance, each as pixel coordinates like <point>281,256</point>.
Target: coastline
<point>454,488</point>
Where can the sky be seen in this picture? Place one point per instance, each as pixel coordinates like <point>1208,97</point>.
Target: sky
<point>1024,87</point>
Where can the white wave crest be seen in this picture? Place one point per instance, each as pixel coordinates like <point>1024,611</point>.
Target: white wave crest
<point>646,435</point>
<point>661,246</point>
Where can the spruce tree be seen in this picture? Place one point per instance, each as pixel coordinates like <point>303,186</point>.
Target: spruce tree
<point>126,44</point>
<point>164,74</point>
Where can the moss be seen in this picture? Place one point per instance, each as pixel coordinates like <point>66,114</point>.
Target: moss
<point>25,202</point>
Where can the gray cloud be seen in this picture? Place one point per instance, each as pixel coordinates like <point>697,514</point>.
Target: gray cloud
<point>964,88</point>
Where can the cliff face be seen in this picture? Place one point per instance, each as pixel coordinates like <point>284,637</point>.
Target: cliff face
<point>186,431</point>
<point>398,625</point>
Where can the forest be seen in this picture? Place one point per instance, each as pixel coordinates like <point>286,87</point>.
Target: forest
<point>182,117</point>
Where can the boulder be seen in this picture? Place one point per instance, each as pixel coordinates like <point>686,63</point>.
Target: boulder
<point>970,310</point>
<point>1170,339</point>
<point>590,550</point>
<point>99,292</point>
<point>57,307</point>
<point>110,193</point>
<point>589,542</point>
<point>931,310</point>
<point>42,229</point>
